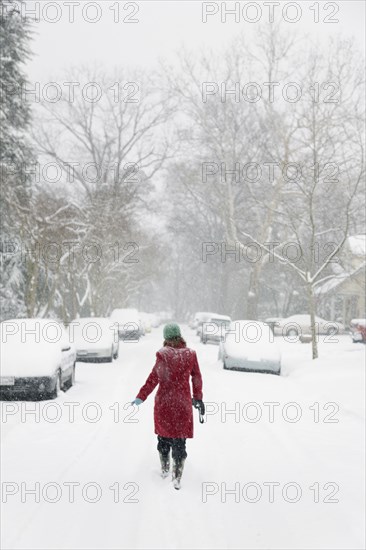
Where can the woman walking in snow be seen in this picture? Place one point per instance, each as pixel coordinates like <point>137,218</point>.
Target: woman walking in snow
<point>173,416</point>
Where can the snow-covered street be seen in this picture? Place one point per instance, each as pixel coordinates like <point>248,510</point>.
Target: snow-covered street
<point>277,464</point>
<point>183,275</point>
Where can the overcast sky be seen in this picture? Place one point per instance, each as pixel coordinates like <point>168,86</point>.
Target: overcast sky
<point>163,27</point>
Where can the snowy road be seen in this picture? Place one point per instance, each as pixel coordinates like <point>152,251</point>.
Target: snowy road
<point>277,465</point>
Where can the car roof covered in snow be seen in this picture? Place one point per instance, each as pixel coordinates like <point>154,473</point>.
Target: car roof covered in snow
<point>47,332</point>
<point>220,318</point>
<point>31,320</point>
<point>302,317</point>
<point>204,316</point>
<point>125,314</point>
<point>85,320</point>
<point>361,322</point>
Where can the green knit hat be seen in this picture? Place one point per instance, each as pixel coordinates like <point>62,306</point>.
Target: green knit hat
<point>171,331</point>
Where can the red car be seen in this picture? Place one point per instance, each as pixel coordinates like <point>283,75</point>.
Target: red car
<point>358,329</point>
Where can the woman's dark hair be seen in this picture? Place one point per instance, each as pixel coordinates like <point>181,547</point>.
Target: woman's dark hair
<point>176,342</point>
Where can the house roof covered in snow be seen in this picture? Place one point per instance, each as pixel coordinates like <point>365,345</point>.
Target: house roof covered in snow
<point>357,244</point>
<point>334,282</point>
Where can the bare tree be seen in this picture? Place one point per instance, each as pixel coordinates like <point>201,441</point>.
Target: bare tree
<point>109,149</point>
<point>314,143</point>
<point>229,133</point>
<point>322,200</point>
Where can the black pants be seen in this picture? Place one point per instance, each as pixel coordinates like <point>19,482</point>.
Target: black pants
<point>177,445</point>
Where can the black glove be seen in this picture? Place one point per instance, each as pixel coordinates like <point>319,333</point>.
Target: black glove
<point>198,404</point>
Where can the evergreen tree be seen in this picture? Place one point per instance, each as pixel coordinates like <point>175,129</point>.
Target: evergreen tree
<point>15,153</point>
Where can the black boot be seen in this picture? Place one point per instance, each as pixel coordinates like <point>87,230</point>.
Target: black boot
<point>178,466</point>
<point>165,464</point>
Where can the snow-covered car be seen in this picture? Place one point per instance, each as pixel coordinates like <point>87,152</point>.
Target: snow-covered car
<point>165,317</point>
<point>358,330</point>
<point>250,346</point>
<point>298,325</point>
<point>127,323</point>
<point>214,330</point>
<point>145,319</point>
<point>36,356</point>
<point>200,318</point>
<point>191,322</point>
<point>154,319</point>
<point>95,339</point>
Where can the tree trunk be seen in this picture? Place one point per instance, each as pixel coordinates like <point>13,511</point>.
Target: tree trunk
<point>32,281</point>
<point>252,298</point>
<point>314,341</point>
<point>224,283</point>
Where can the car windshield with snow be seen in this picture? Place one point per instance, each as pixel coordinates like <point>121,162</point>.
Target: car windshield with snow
<point>128,323</point>
<point>215,328</point>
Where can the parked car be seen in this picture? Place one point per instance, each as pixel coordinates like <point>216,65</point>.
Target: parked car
<point>297,325</point>
<point>214,330</point>
<point>358,330</point>
<point>145,320</point>
<point>128,323</point>
<point>95,339</point>
<point>250,346</point>
<point>200,318</point>
<point>191,322</point>
<point>155,321</point>
<point>36,357</point>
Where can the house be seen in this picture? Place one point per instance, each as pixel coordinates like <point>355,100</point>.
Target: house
<point>342,296</point>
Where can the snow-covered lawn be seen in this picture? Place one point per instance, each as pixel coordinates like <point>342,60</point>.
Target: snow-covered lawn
<point>277,465</point>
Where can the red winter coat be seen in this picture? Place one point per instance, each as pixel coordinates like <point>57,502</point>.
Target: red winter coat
<point>173,414</point>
